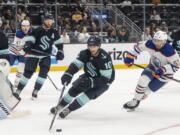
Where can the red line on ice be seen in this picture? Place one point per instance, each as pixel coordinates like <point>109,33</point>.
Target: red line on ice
<point>162,129</point>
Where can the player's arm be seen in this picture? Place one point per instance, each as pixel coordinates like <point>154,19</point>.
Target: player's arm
<point>137,49</point>
<point>29,42</point>
<point>59,45</point>
<point>170,68</point>
<point>73,68</point>
<point>16,46</point>
<point>106,72</point>
<point>173,65</point>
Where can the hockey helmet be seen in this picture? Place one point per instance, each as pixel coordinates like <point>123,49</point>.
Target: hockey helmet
<point>25,23</point>
<point>160,35</point>
<point>159,39</point>
<point>48,16</point>
<point>94,41</point>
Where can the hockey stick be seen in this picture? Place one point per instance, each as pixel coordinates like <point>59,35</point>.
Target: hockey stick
<point>38,51</point>
<point>60,98</point>
<point>53,83</point>
<point>171,78</point>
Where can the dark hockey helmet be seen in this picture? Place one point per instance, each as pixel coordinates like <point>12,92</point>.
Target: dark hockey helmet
<point>94,41</point>
<point>48,16</point>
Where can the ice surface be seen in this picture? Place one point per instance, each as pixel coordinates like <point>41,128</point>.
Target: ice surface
<point>157,115</point>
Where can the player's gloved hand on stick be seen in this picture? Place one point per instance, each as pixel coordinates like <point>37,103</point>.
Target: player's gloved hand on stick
<point>66,78</point>
<point>60,55</point>
<point>54,50</point>
<point>27,47</point>
<point>159,72</point>
<point>129,59</point>
<point>86,83</point>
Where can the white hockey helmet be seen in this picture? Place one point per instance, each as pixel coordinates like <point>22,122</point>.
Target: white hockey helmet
<point>160,35</point>
<point>25,23</point>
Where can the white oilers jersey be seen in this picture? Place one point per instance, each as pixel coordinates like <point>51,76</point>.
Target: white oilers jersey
<point>18,44</point>
<point>166,56</point>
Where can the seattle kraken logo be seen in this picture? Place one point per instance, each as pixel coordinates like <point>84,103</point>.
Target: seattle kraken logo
<point>178,44</point>
<point>44,41</point>
<point>91,69</point>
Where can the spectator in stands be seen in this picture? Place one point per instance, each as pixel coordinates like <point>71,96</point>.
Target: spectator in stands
<point>126,2</point>
<point>10,1</point>
<point>155,17</point>
<point>9,19</point>
<point>112,36</point>
<point>65,37</point>
<point>152,28</point>
<point>123,35</point>
<point>6,28</point>
<point>94,28</point>
<point>77,16</point>
<point>83,35</point>
<point>1,1</point>
<point>164,27</point>
<point>146,35</point>
<point>20,15</point>
<point>85,21</point>
<point>156,1</point>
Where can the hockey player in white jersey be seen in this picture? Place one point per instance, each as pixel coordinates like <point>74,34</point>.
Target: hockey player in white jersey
<point>16,48</point>
<point>164,61</point>
<point>8,101</point>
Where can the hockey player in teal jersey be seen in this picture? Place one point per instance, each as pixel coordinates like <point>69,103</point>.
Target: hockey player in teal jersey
<point>39,46</point>
<point>98,76</point>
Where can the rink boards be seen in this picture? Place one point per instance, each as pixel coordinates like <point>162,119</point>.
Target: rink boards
<point>115,50</point>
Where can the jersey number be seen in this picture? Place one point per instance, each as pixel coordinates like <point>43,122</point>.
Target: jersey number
<point>108,65</point>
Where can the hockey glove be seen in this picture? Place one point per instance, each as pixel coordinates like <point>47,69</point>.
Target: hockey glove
<point>60,55</point>
<point>27,47</point>
<point>159,72</point>
<point>86,83</point>
<point>66,78</point>
<point>129,59</point>
<point>54,50</point>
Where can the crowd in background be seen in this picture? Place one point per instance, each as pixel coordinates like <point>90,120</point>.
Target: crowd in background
<point>76,23</point>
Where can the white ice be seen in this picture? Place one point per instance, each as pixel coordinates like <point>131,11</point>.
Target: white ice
<point>157,115</point>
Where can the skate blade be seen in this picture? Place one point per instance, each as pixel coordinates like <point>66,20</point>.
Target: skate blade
<point>33,98</point>
<point>130,110</point>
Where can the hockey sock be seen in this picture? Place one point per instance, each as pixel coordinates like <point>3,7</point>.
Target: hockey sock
<point>22,83</point>
<point>39,83</point>
<point>139,92</point>
<point>18,76</point>
<point>79,102</point>
<point>66,100</point>
<point>141,87</point>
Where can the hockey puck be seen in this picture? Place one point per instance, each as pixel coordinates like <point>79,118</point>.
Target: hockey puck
<point>58,130</point>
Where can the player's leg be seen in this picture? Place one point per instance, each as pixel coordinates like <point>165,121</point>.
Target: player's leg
<point>69,96</point>
<point>30,68</point>
<point>83,99</point>
<point>44,65</point>
<point>140,91</point>
<point>20,70</point>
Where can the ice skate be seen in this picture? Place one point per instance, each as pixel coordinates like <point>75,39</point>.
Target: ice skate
<point>131,105</point>
<point>34,95</point>
<point>64,113</point>
<point>17,93</point>
<point>56,108</point>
